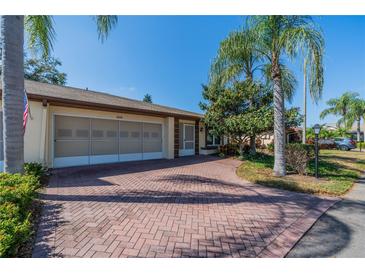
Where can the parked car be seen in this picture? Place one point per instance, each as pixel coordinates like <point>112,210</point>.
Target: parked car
<point>327,144</point>
<point>345,143</point>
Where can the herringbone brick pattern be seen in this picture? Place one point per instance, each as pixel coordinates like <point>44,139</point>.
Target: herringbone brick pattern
<point>187,207</point>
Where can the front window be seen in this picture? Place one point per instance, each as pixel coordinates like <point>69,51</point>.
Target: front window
<point>213,140</point>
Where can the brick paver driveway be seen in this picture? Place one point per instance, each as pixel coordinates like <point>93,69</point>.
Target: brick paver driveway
<point>187,207</point>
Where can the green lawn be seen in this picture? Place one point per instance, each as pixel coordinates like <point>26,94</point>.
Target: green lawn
<point>338,170</point>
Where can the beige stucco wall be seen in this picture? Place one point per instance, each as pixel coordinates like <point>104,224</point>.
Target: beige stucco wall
<point>33,133</point>
<point>169,137</point>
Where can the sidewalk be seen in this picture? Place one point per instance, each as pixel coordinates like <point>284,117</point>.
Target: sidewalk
<point>340,232</point>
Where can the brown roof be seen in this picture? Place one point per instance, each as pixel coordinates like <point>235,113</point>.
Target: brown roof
<point>81,97</point>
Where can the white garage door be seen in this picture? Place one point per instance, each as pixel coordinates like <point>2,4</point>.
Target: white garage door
<point>84,141</point>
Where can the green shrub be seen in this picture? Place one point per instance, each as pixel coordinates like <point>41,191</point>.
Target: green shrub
<point>16,194</point>
<point>298,156</point>
<point>35,169</point>
<point>17,189</point>
<point>14,229</point>
<point>362,145</point>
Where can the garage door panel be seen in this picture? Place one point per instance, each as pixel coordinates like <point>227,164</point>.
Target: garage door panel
<point>152,138</point>
<point>130,139</point>
<point>71,148</point>
<point>152,147</point>
<point>72,128</point>
<point>130,147</point>
<point>104,147</point>
<point>104,138</point>
<point>102,128</point>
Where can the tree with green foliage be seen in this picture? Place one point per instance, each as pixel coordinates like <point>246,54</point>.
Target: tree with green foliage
<point>147,98</point>
<point>293,118</point>
<point>44,70</point>
<point>229,112</point>
<point>238,112</point>
<point>340,107</point>
<point>41,36</point>
<point>287,36</point>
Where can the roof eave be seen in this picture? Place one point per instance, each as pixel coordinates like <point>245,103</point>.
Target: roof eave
<point>106,107</point>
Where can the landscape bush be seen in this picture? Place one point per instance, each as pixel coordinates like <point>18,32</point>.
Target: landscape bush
<point>35,169</point>
<point>16,195</point>
<point>229,149</point>
<point>298,156</point>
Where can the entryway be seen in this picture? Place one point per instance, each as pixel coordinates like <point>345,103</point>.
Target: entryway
<point>187,140</point>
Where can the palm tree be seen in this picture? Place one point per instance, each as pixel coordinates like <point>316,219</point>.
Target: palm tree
<point>355,113</point>
<point>279,36</point>
<point>41,36</point>
<point>340,106</point>
<point>239,59</point>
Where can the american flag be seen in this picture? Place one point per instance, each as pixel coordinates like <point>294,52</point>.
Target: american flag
<point>26,111</point>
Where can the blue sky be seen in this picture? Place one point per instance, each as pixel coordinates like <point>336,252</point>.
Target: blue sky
<point>169,57</point>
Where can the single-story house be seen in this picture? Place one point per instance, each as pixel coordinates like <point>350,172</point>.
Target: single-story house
<point>71,127</point>
<point>293,135</point>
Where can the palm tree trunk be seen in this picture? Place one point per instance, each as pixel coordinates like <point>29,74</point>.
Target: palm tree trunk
<point>358,130</point>
<point>279,122</point>
<point>12,33</point>
<point>304,133</point>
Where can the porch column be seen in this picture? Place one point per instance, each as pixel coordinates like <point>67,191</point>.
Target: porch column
<point>169,138</point>
<point>197,137</point>
<point>44,132</point>
<point>176,138</point>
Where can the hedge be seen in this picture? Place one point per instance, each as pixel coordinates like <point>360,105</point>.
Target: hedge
<point>16,195</point>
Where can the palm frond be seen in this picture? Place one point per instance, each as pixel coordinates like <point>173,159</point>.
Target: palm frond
<point>41,33</point>
<point>303,37</point>
<point>236,58</point>
<point>327,112</point>
<point>104,24</point>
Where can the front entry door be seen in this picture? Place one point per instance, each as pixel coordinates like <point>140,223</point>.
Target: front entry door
<point>188,140</point>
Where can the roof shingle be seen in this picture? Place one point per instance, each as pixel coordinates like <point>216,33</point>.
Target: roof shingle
<point>83,96</point>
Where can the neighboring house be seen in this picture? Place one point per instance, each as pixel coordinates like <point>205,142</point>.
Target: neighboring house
<point>70,127</point>
<point>292,135</point>
<point>330,126</point>
<point>352,130</point>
